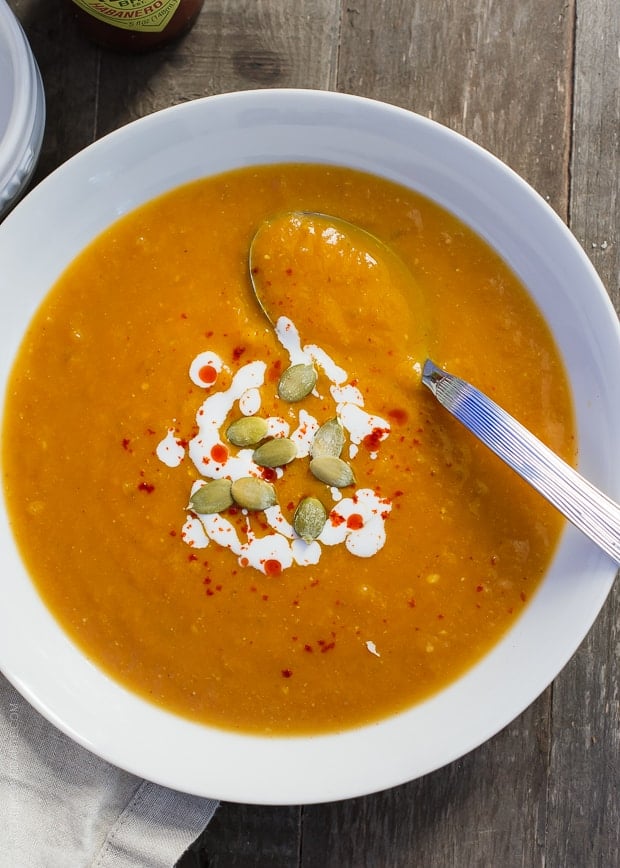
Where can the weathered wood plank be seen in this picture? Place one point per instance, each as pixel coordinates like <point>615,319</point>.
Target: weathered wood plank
<point>595,167</point>
<point>584,815</point>
<point>235,45</point>
<point>248,836</point>
<point>497,72</point>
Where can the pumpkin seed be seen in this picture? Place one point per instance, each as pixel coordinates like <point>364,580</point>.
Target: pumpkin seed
<point>247,431</point>
<point>332,471</point>
<point>252,493</point>
<point>275,453</point>
<point>328,440</point>
<point>309,518</point>
<point>211,497</point>
<point>296,382</point>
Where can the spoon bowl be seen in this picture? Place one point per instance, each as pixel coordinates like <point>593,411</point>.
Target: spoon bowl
<point>300,264</point>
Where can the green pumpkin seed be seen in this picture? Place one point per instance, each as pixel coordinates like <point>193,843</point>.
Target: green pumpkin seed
<point>332,471</point>
<point>211,497</point>
<point>309,518</point>
<point>247,431</point>
<point>328,440</point>
<point>297,382</point>
<point>251,493</point>
<point>275,453</point>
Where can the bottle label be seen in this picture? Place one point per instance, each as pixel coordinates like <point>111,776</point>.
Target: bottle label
<point>145,16</point>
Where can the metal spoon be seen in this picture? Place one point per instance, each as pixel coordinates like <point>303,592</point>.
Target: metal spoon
<point>595,514</point>
<point>277,253</point>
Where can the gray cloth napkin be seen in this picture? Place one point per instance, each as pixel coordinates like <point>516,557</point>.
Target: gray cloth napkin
<point>62,806</point>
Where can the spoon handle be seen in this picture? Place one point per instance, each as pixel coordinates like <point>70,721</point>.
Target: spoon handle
<point>595,514</point>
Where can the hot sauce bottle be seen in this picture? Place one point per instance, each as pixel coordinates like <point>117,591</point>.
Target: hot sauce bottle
<point>135,25</point>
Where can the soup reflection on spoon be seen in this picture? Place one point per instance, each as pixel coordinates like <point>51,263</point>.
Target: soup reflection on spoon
<point>348,288</point>
<point>354,291</point>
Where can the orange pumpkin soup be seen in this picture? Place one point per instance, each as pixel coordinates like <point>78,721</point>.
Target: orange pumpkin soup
<point>117,426</point>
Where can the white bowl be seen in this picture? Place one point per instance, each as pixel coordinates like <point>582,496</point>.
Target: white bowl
<point>22,110</point>
<point>195,139</point>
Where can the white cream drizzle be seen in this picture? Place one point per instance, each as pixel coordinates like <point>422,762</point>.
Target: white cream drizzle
<point>169,450</point>
<point>372,648</point>
<point>357,522</point>
<point>205,361</point>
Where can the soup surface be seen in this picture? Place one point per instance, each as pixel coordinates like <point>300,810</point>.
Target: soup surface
<point>152,343</point>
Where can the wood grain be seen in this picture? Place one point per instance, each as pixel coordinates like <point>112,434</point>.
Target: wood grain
<point>584,778</point>
<point>538,84</point>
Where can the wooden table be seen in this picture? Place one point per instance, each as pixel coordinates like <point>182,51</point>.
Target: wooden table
<point>537,83</point>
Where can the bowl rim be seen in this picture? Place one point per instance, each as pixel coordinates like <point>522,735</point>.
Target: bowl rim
<point>290,769</point>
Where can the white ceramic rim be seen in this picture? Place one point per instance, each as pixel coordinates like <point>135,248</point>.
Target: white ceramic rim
<point>20,144</point>
<point>212,135</point>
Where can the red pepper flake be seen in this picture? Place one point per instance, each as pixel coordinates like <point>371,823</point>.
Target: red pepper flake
<point>238,352</point>
<point>243,562</point>
<point>219,453</point>
<point>398,493</point>
<point>126,441</point>
<point>219,588</point>
<point>172,533</point>
<point>265,597</point>
<point>411,603</point>
<point>399,415</point>
<point>371,441</point>
<point>286,673</point>
<point>150,431</point>
<point>440,617</point>
<point>290,506</point>
<point>336,519</point>
<point>206,580</point>
<point>209,592</point>
<point>207,374</point>
<point>355,521</point>
<point>479,588</point>
<point>275,370</point>
<point>308,648</point>
<point>328,646</point>
<point>288,271</point>
<point>192,557</point>
<point>273,567</point>
<point>184,315</point>
<point>523,596</point>
<point>268,473</point>
<point>209,334</point>
<point>146,486</point>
